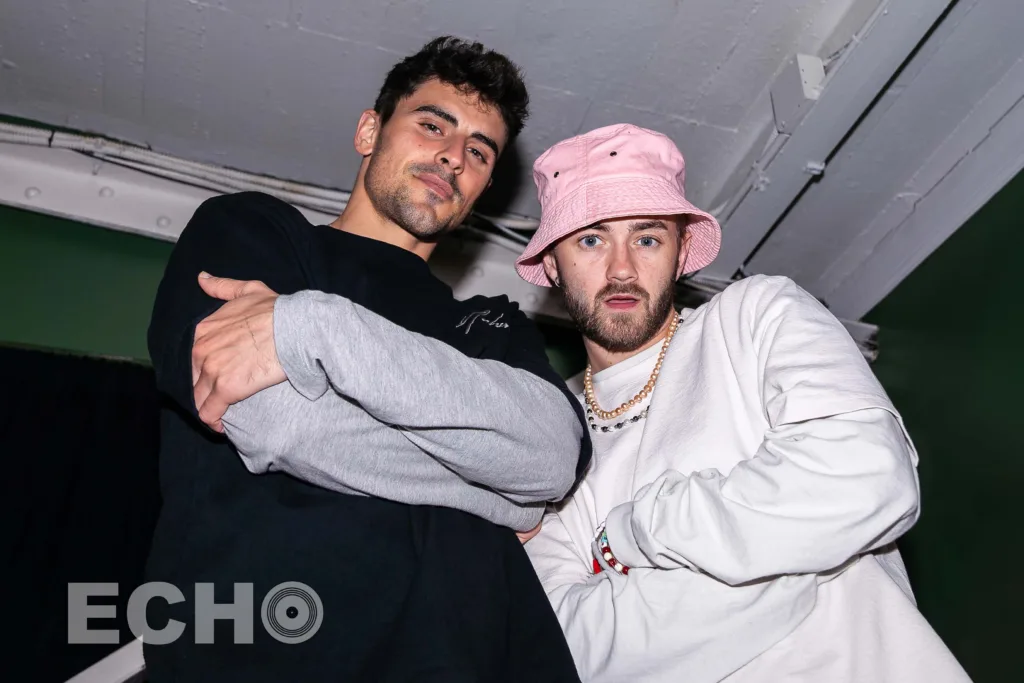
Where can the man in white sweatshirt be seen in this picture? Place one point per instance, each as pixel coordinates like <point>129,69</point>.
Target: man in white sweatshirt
<point>750,475</point>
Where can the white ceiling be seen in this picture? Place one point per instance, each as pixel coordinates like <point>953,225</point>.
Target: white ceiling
<point>276,87</point>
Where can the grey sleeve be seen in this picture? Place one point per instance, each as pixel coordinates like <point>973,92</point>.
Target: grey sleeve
<point>335,444</point>
<point>494,425</point>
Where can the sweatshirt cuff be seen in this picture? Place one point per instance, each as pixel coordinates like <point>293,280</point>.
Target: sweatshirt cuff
<point>294,337</point>
<point>621,540</point>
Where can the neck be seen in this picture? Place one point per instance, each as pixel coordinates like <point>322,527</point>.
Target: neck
<point>601,358</point>
<point>361,218</point>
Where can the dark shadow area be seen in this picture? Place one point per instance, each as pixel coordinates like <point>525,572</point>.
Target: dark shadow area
<point>80,440</point>
<point>564,346</point>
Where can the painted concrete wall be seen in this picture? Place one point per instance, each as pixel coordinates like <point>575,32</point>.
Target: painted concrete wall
<point>951,359</point>
<point>78,288</point>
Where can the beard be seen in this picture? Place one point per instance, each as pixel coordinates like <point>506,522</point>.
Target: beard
<point>618,332</point>
<point>391,196</point>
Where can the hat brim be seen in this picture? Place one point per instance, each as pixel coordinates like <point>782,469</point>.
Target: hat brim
<point>619,197</point>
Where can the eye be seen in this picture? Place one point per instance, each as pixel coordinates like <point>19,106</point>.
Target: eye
<point>432,128</point>
<point>648,241</point>
<point>478,154</point>
<point>589,241</point>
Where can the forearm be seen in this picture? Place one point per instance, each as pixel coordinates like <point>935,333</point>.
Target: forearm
<point>226,236</point>
<point>493,424</point>
<point>336,445</point>
<point>815,495</point>
<point>662,625</point>
<point>690,636</point>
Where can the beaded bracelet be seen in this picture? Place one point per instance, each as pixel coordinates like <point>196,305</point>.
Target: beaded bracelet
<point>606,553</point>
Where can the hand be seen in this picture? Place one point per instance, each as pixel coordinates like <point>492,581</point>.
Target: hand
<point>525,536</point>
<point>233,353</point>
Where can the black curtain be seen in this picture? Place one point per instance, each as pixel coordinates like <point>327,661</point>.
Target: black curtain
<point>79,439</point>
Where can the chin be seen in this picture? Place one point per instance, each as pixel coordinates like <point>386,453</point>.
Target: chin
<point>632,317</point>
<point>623,331</point>
<point>435,210</point>
<point>426,227</point>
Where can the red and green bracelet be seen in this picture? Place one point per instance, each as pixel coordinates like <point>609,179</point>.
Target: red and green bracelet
<point>606,553</point>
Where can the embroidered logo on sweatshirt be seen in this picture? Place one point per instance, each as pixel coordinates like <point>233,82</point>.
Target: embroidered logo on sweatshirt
<point>468,321</point>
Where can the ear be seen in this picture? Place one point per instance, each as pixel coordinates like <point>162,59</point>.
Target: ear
<point>367,132</point>
<point>551,267</point>
<point>686,235</point>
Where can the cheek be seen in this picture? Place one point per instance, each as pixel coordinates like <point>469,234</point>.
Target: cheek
<point>580,267</point>
<point>654,272</point>
<point>409,149</point>
<point>586,284</point>
<point>472,187</point>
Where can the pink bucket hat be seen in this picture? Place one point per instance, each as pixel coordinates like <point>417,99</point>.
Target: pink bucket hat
<point>608,173</point>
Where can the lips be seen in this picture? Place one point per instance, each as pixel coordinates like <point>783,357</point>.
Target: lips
<point>437,185</point>
<point>621,302</point>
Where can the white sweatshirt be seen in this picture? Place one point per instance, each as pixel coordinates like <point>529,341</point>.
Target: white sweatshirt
<point>756,503</point>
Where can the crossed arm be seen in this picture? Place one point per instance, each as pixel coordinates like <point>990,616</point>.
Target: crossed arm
<point>657,624</point>
<point>356,403</point>
<point>356,379</point>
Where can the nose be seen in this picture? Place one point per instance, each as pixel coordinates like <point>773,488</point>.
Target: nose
<point>621,268</point>
<point>452,154</point>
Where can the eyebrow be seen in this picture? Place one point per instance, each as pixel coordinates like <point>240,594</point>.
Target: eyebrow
<point>446,116</point>
<point>647,225</point>
<point>439,113</point>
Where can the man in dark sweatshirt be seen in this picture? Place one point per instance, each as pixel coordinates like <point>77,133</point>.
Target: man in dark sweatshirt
<point>392,430</point>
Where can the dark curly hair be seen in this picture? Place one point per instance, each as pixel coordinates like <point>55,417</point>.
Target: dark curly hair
<point>471,68</point>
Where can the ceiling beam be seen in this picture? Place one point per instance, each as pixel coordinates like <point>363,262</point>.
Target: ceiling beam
<point>70,185</point>
<point>851,84</point>
<point>911,233</point>
<point>936,147</point>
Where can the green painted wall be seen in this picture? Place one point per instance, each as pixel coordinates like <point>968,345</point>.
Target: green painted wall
<point>74,287</point>
<point>951,360</point>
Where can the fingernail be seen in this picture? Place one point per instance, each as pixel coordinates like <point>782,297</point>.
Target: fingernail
<point>205,275</point>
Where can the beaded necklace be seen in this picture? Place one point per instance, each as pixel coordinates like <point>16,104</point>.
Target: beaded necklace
<point>594,409</point>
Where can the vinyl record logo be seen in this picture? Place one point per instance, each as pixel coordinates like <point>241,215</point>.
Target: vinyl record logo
<point>292,612</point>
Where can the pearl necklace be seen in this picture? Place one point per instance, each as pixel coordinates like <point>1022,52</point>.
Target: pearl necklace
<point>588,382</point>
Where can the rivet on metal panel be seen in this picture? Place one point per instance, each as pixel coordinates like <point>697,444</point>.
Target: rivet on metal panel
<point>477,271</point>
<point>32,192</point>
<point>106,192</point>
<point>163,222</point>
